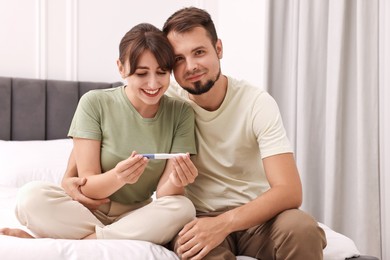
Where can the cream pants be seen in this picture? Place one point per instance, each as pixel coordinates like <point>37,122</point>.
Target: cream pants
<point>49,212</point>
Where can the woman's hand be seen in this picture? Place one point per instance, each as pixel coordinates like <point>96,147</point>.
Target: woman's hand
<point>183,172</point>
<point>129,170</point>
<point>178,173</point>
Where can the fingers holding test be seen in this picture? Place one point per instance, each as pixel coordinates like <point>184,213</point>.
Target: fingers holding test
<point>179,173</point>
<point>132,175</point>
<point>132,160</point>
<point>185,169</point>
<point>131,169</point>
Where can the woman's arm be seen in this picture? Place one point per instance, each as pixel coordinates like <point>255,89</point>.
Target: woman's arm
<point>178,173</point>
<point>101,185</point>
<point>71,183</point>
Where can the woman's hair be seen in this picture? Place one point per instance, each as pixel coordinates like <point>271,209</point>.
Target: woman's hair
<point>187,19</point>
<point>143,37</point>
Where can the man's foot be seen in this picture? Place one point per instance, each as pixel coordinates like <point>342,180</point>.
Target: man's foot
<point>15,232</point>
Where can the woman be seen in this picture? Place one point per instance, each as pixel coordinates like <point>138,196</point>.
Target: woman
<point>110,129</point>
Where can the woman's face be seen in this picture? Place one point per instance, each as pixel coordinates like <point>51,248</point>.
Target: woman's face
<point>147,85</point>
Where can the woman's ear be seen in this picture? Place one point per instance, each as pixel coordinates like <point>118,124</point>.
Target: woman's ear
<point>219,48</point>
<point>121,68</point>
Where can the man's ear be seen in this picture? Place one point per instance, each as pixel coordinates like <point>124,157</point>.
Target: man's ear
<point>121,68</point>
<point>219,48</point>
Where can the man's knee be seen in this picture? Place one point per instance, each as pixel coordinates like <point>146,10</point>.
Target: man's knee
<point>301,230</point>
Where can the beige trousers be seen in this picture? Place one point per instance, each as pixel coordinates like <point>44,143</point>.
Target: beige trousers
<point>49,212</point>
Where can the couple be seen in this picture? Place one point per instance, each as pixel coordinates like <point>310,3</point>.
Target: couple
<point>241,178</point>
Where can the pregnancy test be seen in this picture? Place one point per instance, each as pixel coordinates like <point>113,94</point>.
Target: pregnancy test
<point>162,156</point>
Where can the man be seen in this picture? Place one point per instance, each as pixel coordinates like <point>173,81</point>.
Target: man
<point>248,190</point>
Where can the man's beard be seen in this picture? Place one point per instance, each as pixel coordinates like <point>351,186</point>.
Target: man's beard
<point>199,89</point>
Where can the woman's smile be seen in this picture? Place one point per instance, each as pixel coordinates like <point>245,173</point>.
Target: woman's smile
<point>151,92</point>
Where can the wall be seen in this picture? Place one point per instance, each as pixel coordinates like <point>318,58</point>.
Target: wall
<point>78,39</point>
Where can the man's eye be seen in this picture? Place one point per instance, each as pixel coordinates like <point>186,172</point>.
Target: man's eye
<point>141,74</point>
<point>178,59</point>
<point>199,52</point>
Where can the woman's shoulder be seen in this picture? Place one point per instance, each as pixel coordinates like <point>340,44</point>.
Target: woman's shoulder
<point>101,94</point>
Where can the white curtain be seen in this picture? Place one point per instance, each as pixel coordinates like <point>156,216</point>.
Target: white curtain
<point>384,122</point>
<point>322,69</point>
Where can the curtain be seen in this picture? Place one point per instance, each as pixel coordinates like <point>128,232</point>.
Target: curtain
<point>384,123</point>
<point>322,69</point>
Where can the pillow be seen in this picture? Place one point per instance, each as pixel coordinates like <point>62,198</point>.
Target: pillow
<point>338,245</point>
<point>25,161</point>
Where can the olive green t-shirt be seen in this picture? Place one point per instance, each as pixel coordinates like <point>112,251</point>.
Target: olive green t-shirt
<point>108,116</point>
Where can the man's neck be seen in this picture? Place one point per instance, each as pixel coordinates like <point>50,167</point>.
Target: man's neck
<point>212,99</point>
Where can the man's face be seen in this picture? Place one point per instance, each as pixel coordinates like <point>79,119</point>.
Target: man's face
<point>197,65</point>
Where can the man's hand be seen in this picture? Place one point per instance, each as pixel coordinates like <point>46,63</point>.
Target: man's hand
<point>200,236</point>
<point>72,186</point>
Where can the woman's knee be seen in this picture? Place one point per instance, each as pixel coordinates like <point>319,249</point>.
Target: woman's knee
<point>181,208</point>
<point>30,194</point>
<point>33,196</point>
<point>187,208</point>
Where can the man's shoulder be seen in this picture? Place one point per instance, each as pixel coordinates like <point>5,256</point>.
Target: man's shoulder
<point>175,91</point>
<point>245,89</point>
<point>174,101</point>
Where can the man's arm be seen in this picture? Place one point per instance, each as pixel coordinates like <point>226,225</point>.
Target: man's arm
<point>285,193</point>
<point>202,235</point>
<point>71,183</point>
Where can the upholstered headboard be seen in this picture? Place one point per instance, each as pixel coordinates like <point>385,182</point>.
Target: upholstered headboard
<point>35,109</point>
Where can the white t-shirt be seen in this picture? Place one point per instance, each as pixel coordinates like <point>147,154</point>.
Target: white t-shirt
<point>231,143</point>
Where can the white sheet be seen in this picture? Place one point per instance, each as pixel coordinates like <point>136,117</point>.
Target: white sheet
<point>11,248</point>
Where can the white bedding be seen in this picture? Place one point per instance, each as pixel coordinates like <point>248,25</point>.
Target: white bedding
<point>21,162</point>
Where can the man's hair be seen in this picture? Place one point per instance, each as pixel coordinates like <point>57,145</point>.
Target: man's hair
<point>188,18</point>
<point>143,37</point>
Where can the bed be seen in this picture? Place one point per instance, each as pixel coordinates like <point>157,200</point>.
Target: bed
<point>34,119</point>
